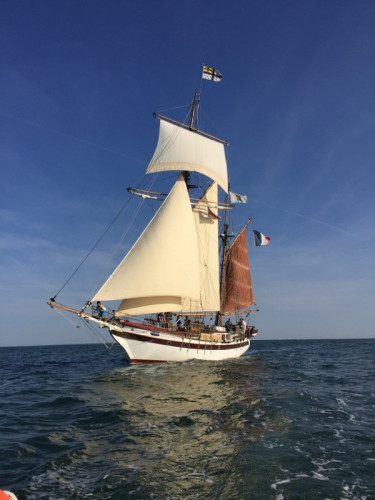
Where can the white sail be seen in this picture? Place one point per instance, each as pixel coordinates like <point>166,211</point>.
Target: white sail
<point>182,149</point>
<point>206,222</point>
<point>162,266</point>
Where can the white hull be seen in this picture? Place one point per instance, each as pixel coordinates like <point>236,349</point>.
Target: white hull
<point>146,346</point>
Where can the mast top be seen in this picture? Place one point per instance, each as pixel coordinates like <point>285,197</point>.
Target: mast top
<point>194,106</point>
<point>193,120</point>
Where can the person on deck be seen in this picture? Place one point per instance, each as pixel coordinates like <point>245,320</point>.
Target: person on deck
<point>242,325</point>
<point>161,320</point>
<point>168,319</point>
<point>228,325</point>
<point>101,309</point>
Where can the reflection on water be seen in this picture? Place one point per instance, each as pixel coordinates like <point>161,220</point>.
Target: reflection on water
<point>289,418</point>
<point>179,426</point>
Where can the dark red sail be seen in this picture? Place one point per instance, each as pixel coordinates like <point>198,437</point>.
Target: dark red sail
<point>237,291</point>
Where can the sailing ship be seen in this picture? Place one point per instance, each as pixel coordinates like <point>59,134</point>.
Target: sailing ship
<point>184,288</point>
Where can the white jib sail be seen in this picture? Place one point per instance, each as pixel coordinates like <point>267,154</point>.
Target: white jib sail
<point>162,267</point>
<point>181,149</point>
<point>206,221</point>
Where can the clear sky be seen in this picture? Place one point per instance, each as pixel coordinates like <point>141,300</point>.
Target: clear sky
<point>79,80</point>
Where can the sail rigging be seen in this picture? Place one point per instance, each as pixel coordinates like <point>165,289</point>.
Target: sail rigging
<point>162,266</point>
<point>237,290</point>
<point>206,224</point>
<point>174,265</point>
<point>182,149</point>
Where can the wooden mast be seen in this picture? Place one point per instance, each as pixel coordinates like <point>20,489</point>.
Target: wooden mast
<point>224,238</point>
<point>194,106</point>
<point>193,126</point>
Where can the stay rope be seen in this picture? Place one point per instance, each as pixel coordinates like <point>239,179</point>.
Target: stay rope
<point>105,233</point>
<point>97,335</point>
<point>90,327</point>
<point>92,249</point>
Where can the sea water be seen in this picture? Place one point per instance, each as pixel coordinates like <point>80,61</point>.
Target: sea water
<point>290,420</point>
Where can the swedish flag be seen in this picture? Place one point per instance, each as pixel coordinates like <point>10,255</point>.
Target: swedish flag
<point>211,74</point>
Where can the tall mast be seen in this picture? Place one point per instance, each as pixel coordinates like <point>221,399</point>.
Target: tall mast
<point>193,126</point>
<point>194,106</point>
<point>224,244</point>
<point>224,238</point>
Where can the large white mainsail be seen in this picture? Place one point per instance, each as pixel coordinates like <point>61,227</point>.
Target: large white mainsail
<point>182,149</point>
<point>206,223</point>
<point>162,267</point>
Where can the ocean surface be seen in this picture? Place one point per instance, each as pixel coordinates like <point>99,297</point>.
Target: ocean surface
<point>290,420</point>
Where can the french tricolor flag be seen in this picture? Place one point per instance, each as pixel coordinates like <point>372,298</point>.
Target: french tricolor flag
<point>260,239</point>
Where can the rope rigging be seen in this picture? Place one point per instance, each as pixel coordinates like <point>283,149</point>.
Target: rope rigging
<point>92,249</point>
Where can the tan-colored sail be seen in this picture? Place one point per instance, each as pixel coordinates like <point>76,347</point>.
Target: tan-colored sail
<point>181,149</point>
<point>162,266</point>
<point>206,223</point>
<point>237,289</point>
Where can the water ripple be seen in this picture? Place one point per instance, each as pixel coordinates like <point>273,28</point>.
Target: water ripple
<point>289,418</point>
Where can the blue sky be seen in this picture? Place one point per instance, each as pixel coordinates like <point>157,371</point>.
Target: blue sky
<point>79,82</point>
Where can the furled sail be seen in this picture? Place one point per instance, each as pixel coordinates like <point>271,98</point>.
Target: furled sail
<point>206,223</point>
<point>237,292</point>
<point>162,266</point>
<point>182,149</point>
